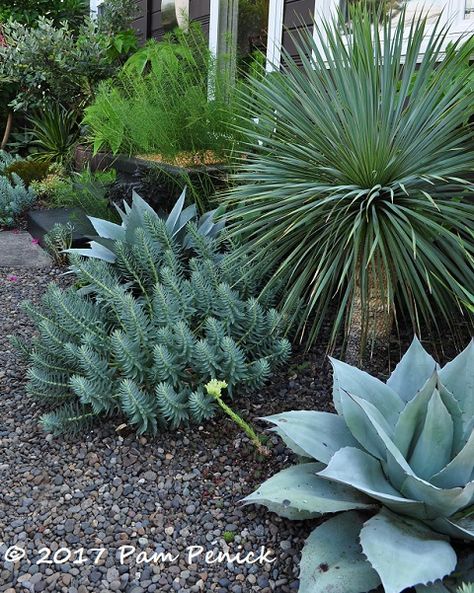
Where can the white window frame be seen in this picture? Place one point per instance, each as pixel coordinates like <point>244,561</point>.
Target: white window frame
<point>276,11</point>
<point>214,14</point>
<point>453,15</point>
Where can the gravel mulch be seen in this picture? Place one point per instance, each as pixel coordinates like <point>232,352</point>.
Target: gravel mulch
<point>109,490</point>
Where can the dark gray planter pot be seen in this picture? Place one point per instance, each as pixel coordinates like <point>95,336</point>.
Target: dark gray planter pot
<point>41,222</point>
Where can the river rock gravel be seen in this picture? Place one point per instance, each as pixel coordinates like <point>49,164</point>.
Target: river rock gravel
<point>75,508</point>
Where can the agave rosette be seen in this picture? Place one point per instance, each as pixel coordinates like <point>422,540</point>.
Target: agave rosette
<point>134,218</point>
<point>404,449</point>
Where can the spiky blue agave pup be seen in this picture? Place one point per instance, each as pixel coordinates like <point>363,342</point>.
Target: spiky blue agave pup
<point>397,464</point>
<point>162,310</point>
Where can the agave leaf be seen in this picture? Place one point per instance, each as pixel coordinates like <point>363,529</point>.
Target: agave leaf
<point>362,427</point>
<point>96,250</point>
<point>363,417</point>
<point>173,218</point>
<point>432,451</point>
<point>299,493</point>
<point>458,377</point>
<point>410,422</point>
<point>206,223</point>
<point>139,204</point>
<point>404,552</point>
<point>122,213</point>
<point>136,216</point>
<point>290,444</point>
<point>460,434</point>
<point>460,470</point>
<point>363,472</point>
<point>318,434</point>
<point>363,385</point>
<point>332,559</point>
<point>462,528</point>
<point>440,502</point>
<point>412,372</point>
<point>187,214</point>
<point>107,229</point>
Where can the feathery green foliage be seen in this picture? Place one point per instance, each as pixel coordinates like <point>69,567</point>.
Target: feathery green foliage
<point>58,240</point>
<point>146,333</point>
<point>159,103</point>
<point>404,450</point>
<point>356,174</point>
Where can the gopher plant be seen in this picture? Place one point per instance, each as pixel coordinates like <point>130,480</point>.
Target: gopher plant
<point>14,198</point>
<point>402,451</point>
<point>144,335</point>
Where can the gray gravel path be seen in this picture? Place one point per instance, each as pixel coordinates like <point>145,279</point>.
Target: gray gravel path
<point>159,495</point>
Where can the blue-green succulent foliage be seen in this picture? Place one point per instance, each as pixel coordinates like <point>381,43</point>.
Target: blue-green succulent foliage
<point>167,311</point>
<point>401,450</point>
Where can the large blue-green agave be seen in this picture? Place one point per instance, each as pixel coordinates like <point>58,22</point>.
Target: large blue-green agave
<point>398,457</point>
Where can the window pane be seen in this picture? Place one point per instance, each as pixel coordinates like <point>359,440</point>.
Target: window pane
<point>251,30</point>
<point>469,10</point>
<point>433,8</point>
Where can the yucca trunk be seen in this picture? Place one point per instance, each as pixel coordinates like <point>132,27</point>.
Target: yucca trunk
<point>370,319</point>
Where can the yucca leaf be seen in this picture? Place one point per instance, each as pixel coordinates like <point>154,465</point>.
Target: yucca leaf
<point>358,165</point>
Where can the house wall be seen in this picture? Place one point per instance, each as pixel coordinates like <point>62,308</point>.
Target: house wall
<point>199,10</point>
<point>148,23</point>
<point>296,15</point>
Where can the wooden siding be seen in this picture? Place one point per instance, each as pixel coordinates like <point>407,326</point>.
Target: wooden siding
<point>148,24</point>
<point>199,10</point>
<point>296,14</point>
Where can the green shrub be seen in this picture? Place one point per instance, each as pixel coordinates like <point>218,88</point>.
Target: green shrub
<point>348,188</point>
<point>159,104</point>
<point>84,190</point>
<point>28,171</point>
<point>403,451</point>
<point>145,335</point>
<point>54,134</point>
<point>29,11</point>
<point>52,64</point>
<point>14,198</point>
